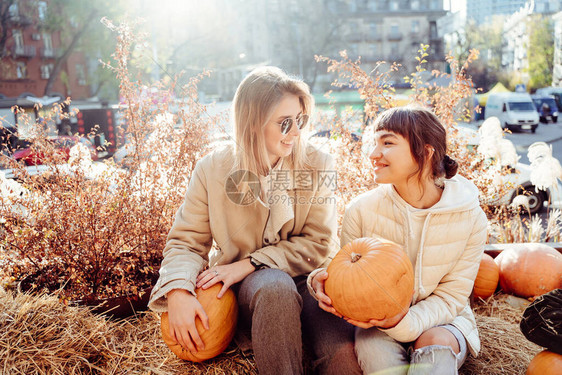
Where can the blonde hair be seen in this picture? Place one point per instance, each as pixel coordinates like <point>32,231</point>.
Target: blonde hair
<point>254,102</point>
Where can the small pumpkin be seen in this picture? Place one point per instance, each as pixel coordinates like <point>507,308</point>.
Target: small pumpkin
<point>370,278</point>
<point>530,270</point>
<point>545,363</point>
<point>487,278</point>
<point>222,314</point>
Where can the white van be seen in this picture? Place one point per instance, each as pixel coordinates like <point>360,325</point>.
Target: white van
<point>515,110</point>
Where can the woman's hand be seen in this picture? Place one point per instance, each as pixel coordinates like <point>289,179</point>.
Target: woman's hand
<point>383,323</point>
<point>228,274</point>
<point>324,302</point>
<point>183,309</point>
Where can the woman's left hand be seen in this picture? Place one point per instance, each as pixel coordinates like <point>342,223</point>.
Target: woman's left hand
<point>383,323</point>
<point>228,274</point>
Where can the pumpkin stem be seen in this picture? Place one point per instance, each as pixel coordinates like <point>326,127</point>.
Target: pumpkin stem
<point>355,257</point>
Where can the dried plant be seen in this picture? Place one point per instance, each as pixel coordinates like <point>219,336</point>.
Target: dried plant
<point>88,231</point>
<point>452,103</point>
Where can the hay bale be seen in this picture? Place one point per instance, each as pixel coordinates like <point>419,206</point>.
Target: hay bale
<point>40,335</point>
<point>504,349</point>
<point>498,306</point>
<point>138,348</point>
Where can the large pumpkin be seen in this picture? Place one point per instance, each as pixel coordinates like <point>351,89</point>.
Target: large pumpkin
<point>530,270</point>
<point>487,279</point>
<point>370,278</point>
<point>545,363</point>
<point>222,314</point>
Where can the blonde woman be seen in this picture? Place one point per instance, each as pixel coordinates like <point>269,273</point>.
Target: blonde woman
<point>267,204</point>
<point>423,205</point>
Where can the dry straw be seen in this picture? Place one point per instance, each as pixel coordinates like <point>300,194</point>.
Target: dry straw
<point>40,335</point>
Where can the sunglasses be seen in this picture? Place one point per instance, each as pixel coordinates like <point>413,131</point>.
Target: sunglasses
<point>287,124</point>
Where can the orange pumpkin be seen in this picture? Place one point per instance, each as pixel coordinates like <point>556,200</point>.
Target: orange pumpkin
<point>530,270</point>
<point>370,278</point>
<point>222,314</point>
<point>487,279</point>
<point>545,363</point>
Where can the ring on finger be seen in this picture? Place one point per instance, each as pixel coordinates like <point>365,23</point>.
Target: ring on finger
<point>216,273</point>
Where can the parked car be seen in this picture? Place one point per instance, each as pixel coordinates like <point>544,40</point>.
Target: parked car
<point>555,92</point>
<point>515,110</point>
<point>546,107</point>
<point>63,144</point>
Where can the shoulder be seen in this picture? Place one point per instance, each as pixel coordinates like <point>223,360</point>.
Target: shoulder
<point>369,199</point>
<point>318,159</point>
<point>219,159</point>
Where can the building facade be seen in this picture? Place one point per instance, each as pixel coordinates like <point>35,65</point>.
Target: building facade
<point>482,11</point>
<point>30,53</point>
<point>392,31</point>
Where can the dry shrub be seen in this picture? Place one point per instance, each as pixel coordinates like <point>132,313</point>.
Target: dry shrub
<point>91,231</point>
<point>452,103</point>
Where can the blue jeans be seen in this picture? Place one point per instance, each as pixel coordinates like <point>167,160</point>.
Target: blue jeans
<point>273,304</point>
<point>379,353</point>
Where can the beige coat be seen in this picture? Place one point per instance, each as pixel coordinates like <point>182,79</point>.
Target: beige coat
<point>209,216</point>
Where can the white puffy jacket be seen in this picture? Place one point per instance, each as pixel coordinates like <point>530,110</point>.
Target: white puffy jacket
<point>451,247</point>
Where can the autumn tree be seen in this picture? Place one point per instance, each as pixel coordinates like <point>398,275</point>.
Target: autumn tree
<point>78,22</point>
<point>486,38</point>
<point>540,51</point>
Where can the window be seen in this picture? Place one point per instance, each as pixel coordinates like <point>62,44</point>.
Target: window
<point>394,30</point>
<point>47,42</point>
<point>21,70</point>
<point>415,27</point>
<point>374,49</point>
<point>394,5</point>
<point>394,48</point>
<point>42,10</point>
<point>433,30</point>
<point>415,4</point>
<point>374,29</point>
<point>18,39</point>
<point>46,71</point>
<point>13,10</point>
<point>81,74</point>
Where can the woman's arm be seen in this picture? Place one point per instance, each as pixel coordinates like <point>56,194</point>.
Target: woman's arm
<point>189,241</point>
<point>452,293</point>
<point>302,253</point>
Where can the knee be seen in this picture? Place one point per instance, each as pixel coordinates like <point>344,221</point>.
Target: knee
<point>437,336</point>
<point>277,288</point>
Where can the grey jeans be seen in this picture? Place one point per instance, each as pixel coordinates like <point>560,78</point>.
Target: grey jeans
<point>379,353</point>
<point>273,304</point>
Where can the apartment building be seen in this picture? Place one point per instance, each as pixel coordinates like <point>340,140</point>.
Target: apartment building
<point>29,55</point>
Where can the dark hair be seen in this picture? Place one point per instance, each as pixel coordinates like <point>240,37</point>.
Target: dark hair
<point>421,128</point>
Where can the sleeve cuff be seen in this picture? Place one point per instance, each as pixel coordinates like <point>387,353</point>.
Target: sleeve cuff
<point>309,281</point>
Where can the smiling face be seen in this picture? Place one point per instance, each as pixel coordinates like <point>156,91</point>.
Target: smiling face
<point>277,144</point>
<point>392,159</point>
